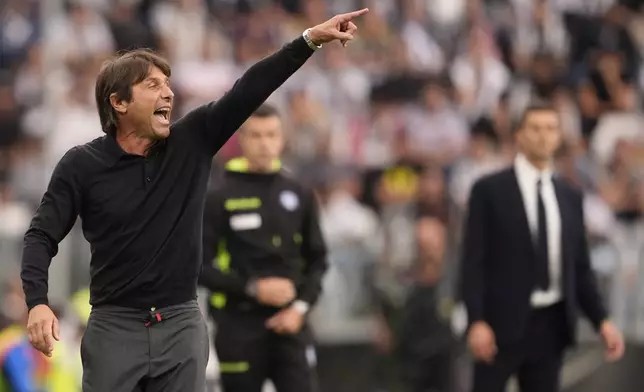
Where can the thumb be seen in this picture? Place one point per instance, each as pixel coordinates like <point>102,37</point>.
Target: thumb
<point>55,329</point>
<point>272,322</point>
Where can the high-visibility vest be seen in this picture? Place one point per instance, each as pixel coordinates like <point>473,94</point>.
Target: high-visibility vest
<point>62,375</point>
<point>10,337</point>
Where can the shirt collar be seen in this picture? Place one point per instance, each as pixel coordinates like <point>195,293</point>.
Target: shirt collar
<point>527,171</point>
<point>115,152</point>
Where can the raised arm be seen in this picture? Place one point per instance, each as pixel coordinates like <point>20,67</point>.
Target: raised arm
<point>214,123</point>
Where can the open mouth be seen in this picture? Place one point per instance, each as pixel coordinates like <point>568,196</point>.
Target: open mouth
<point>163,115</point>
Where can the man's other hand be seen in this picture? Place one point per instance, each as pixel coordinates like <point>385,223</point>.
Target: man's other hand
<point>482,342</point>
<point>286,321</point>
<point>613,340</point>
<point>275,291</point>
<point>43,328</point>
<point>340,27</point>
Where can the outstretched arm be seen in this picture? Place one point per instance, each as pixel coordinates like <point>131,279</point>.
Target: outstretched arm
<point>214,123</point>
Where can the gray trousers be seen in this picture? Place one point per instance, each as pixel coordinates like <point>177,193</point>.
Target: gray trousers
<point>129,350</point>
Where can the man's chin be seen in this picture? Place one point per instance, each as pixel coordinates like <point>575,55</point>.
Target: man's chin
<point>160,133</point>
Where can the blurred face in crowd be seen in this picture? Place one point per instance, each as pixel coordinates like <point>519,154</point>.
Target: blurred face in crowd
<point>539,136</point>
<point>7,101</point>
<point>431,238</point>
<point>262,141</point>
<point>432,186</point>
<point>543,70</point>
<point>434,97</point>
<point>430,234</point>
<point>479,147</point>
<point>13,302</point>
<point>148,111</point>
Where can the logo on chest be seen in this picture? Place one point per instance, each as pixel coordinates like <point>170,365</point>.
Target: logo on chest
<point>250,221</point>
<point>289,200</point>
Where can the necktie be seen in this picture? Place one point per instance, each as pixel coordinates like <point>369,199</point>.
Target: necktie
<point>543,277</point>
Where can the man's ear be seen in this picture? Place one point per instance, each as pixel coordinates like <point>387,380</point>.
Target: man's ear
<point>118,104</point>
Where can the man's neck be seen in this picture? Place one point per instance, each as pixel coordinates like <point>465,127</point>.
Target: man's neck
<point>261,169</point>
<point>538,164</point>
<point>133,144</point>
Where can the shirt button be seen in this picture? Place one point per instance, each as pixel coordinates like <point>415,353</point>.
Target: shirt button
<point>148,179</point>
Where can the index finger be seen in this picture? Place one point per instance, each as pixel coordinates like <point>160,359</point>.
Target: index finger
<point>351,15</point>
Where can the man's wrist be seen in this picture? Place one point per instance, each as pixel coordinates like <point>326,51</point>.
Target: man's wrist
<point>35,302</point>
<point>476,323</point>
<point>302,307</point>
<point>311,39</point>
<point>603,323</point>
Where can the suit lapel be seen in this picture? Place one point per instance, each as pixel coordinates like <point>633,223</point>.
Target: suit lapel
<point>515,203</point>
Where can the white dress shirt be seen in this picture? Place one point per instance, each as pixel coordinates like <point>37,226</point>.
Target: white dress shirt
<point>527,176</point>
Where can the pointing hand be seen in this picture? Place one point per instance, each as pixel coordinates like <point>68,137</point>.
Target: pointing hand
<point>340,27</point>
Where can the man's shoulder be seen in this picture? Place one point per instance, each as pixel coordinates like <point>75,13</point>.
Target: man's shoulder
<point>84,151</point>
<point>83,158</point>
<point>495,179</point>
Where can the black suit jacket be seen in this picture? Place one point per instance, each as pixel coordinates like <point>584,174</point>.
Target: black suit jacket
<point>499,259</point>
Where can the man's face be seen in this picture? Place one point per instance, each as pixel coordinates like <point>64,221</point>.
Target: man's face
<point>434,97</point>
<point>261,139</point>
<point>540,135</point>
<point>149,110</point>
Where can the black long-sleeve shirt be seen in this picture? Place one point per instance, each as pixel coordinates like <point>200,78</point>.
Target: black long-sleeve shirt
<point>143,215</point>
<point>262,225</point>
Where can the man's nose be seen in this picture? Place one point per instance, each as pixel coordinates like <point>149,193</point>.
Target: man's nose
<point>167,93</point>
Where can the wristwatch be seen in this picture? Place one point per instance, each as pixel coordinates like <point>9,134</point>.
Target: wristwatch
<point>301,306</point>
<point>310,43</point>
<point>251,288</point>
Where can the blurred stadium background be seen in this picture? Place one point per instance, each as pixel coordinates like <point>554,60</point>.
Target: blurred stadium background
<point>391,132</point>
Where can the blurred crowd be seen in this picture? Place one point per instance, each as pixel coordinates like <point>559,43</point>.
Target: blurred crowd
<point>392,133</point>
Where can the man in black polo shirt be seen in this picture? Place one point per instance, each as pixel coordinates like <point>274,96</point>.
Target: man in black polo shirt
<point>140,193</point>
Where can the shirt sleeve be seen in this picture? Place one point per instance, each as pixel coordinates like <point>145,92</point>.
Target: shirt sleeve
<point>52,221</point>
<point>589,298</point>
<point>215,274</point>
<point>213,124</point>
<point>314,253</point>
<point>474,284</point>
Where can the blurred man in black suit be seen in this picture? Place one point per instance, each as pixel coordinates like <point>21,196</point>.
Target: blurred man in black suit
<point>526,268</point>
